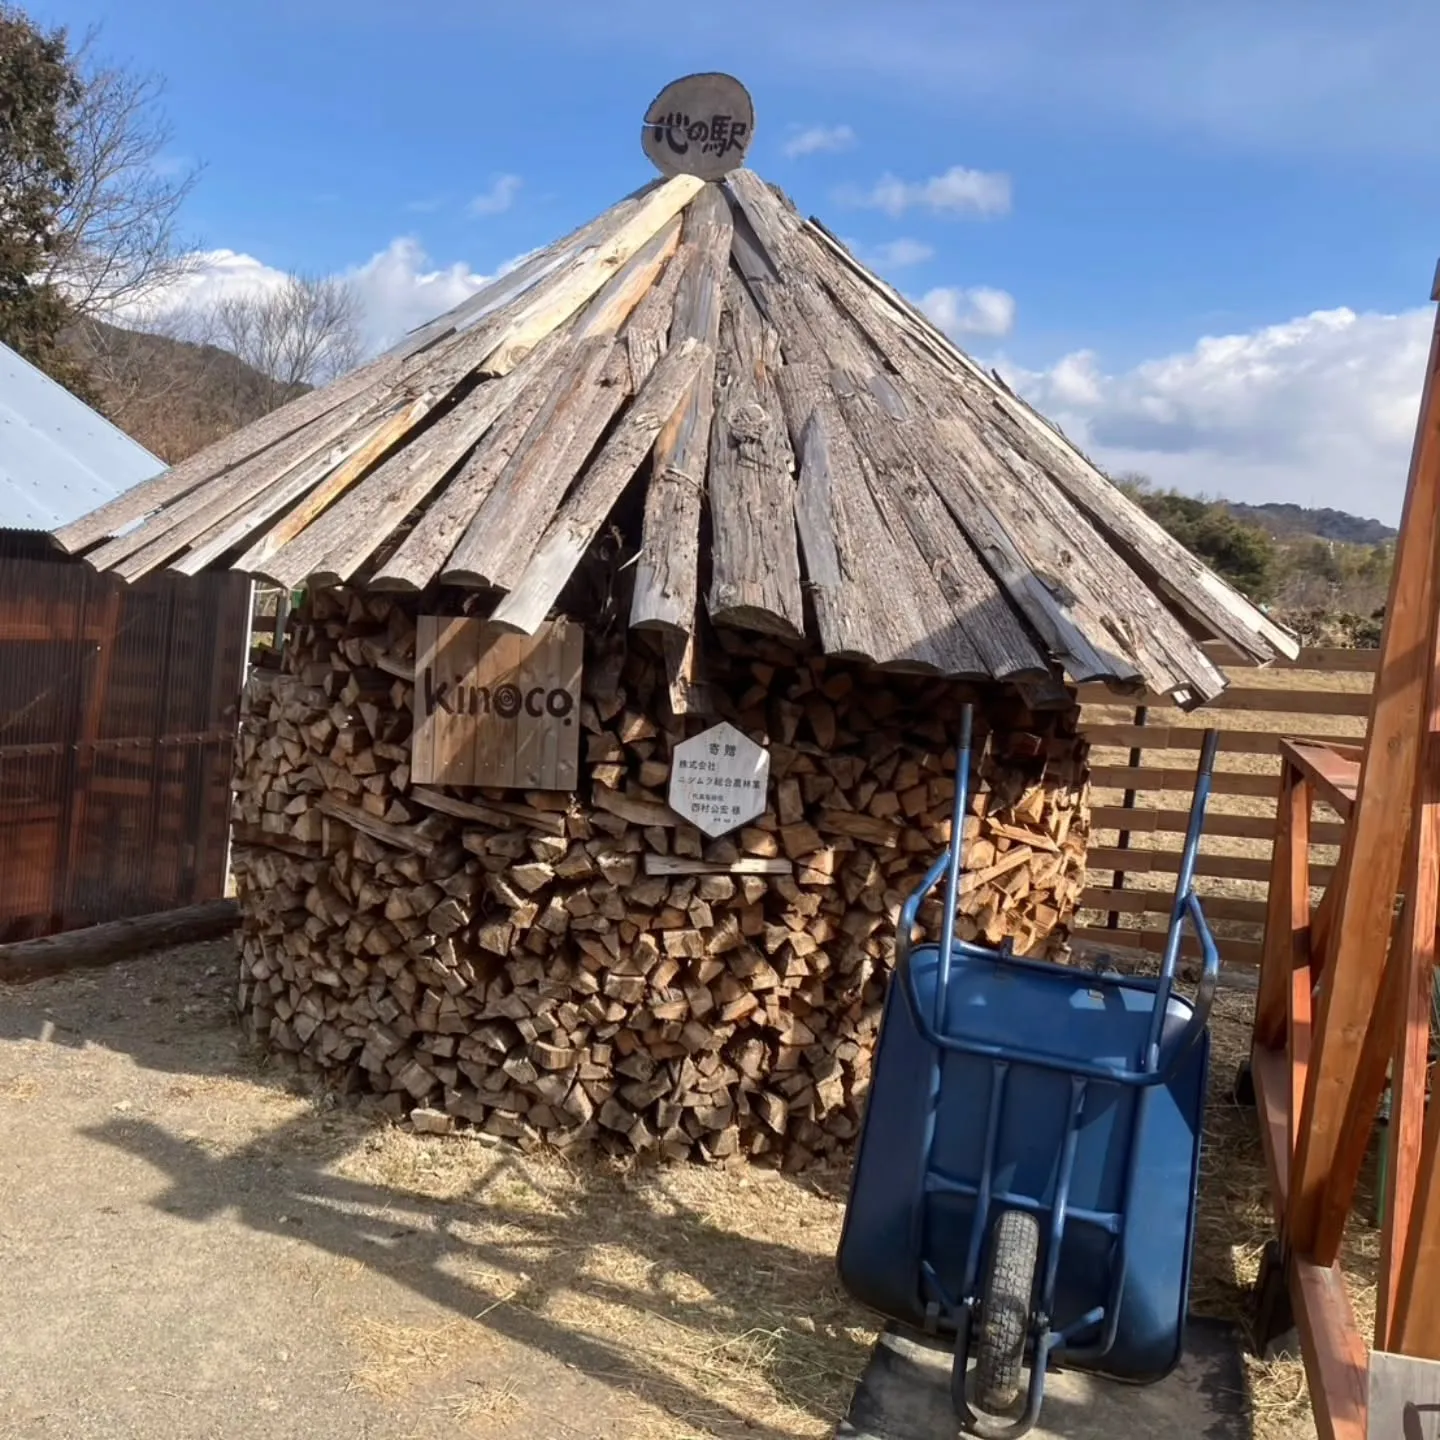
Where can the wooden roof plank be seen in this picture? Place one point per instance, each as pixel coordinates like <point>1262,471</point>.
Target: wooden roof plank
<point>828,467</point>
<point>260,441</point>
<point>332,548</point>
<point>501,537</point>
<point>579,520</point>
<point>1239,620</point>
<point>1025,534</point>
<point>666,576</point>
<point>755,564</point>
<point>505,289</point>
<point>854,551</point>
<point>891,429</point>
<point>312,451</point>
<point>313,498</point>
<point>423,553</point>
<point>589,274</point>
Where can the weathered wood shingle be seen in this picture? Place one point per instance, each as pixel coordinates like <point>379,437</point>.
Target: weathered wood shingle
<point>812,451</point>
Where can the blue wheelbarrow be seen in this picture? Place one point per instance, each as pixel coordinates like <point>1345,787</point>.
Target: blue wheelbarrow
<point>1027,1168</point>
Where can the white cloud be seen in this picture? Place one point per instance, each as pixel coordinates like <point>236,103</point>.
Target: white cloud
<point>964,313</point>
<point>398,288</point>
<point>499,197</point>
<point>1319,410</point>
<point>898,254</point>
<point>819,139</point>
<point>959,191</point>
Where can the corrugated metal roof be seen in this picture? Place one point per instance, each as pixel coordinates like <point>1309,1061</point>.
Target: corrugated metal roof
<point>59,459</point>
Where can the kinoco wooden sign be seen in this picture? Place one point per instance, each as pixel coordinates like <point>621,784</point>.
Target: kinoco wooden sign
<point>496,708</point>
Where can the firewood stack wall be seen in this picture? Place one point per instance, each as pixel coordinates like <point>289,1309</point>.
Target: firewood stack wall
<point>561,968</point>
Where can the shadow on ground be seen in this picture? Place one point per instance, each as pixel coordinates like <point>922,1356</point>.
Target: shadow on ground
<point>711,1297</point>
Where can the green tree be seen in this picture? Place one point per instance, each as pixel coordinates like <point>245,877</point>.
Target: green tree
<point>1243,554</point>
<point>38,85</point>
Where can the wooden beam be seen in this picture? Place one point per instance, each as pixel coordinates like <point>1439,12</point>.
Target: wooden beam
<point>1378,827</point>
<point>116,940</point>
<point>1413,960</point>
<point>1415,1327</point>
<point>1271,1005</point>
<point>236,528</point>
<point>1408,1320</point>
<point>590,273</point>
<point>579,519</point>
<point>667,573</point>
<point>755,562</point>
<point>1333,775</point>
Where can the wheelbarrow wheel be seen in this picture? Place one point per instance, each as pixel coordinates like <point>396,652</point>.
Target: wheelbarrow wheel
<point>1005,1310</point>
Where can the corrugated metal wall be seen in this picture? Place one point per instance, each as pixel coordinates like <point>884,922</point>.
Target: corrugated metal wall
<point>117,716</point>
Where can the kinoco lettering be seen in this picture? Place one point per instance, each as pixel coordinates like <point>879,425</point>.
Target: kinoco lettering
<point>506,702</point>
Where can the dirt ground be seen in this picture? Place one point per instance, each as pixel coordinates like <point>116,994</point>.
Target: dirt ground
<point>194,1246</point>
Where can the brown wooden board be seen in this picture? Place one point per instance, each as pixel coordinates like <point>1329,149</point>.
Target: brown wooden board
<point>1158,902</point>
<point>1232,952</point>
<point>493,708</point>
<point>117,712</point>
<point>1276,702</point>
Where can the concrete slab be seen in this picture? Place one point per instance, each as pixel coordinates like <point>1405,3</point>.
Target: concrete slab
<point>904,1394</point>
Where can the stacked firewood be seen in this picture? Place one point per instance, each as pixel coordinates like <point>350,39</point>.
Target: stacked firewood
<point>558,968</point>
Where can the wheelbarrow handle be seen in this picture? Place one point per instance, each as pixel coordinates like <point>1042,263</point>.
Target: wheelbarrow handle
<point>910,911</point>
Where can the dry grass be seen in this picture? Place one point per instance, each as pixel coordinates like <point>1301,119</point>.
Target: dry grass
<point>19,1087</point>
<point>709,1296</point>
<point>397,1359</point>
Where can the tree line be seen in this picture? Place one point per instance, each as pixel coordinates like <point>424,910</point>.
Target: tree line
<point>1307,580</point>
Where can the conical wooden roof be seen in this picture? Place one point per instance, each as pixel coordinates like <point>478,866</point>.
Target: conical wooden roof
<point>864,479</point>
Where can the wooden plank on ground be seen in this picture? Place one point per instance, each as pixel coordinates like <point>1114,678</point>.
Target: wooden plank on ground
<point>116,940</point>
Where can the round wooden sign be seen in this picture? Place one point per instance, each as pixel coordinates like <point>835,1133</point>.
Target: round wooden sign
<point>701,125</point>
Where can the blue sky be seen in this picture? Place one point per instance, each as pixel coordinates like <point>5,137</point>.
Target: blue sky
<point>1223,216</point>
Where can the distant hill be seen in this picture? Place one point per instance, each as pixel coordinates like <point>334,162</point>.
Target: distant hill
<point>173,396</point>
<point>1295,522</point>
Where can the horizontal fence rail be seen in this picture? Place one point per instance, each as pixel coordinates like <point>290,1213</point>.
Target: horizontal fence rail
<point>1143,756</point>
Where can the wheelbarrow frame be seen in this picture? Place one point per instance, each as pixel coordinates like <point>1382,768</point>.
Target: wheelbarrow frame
<point>1154,1068</point>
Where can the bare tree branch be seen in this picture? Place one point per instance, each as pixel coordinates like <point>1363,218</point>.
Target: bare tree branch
<point>301,333</point>
<point>118,242</point>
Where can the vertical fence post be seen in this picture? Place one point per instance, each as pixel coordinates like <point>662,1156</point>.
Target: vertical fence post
<point>1123,842</point>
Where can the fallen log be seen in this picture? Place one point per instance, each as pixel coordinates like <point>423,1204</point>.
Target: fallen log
<point>114,940</point>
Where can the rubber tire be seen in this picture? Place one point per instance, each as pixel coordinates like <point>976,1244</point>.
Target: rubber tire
<point>1004,1320</point>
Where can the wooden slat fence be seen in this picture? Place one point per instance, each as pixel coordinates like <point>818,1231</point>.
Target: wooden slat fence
<point>117,723</point>
<point>1142,773</point>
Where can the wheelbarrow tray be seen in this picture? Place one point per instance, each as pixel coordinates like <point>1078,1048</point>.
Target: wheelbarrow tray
<point>900,1216</point>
